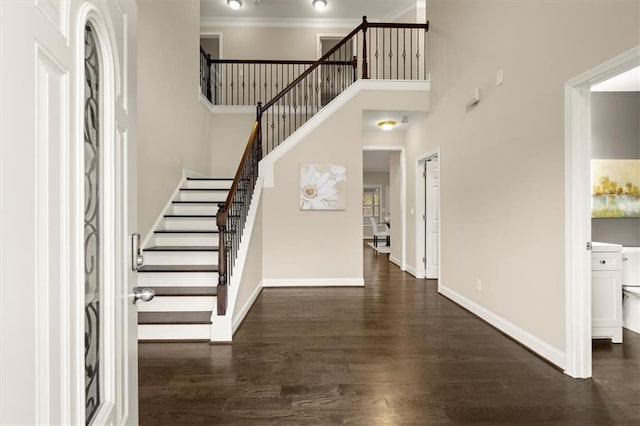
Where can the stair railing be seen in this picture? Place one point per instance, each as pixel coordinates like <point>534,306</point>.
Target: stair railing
<point>232,214</point>
<point>390,51</point>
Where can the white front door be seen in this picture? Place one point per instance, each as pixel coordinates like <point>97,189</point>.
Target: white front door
<point>432,217</point>
<point>68,84</point>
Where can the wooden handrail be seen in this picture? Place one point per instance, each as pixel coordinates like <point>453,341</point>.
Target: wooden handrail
<point>424,26</point>
<point>245,156</point>
<point>271,62</point>
<point>222,220</point>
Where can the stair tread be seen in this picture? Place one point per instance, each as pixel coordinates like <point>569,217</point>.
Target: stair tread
<point>203,317</point>
<point>182,248</point>
<point>185,231</point>
<point>196,202</point>
<point>205,189</point>
<point>201,216</point>
<point>206,178</point>
<point>184,291</point>
<point>178,268</point>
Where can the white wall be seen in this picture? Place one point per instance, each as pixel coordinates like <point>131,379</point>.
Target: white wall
<point>174,129</point>
<point>502,163</point>
<point>269,43</point>
<point>308,245</point>
<point>232,133</point>
<point>252,272</point>
<point>395,181</point>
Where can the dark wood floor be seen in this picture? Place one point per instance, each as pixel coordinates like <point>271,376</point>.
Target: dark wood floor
<point>394,352</point>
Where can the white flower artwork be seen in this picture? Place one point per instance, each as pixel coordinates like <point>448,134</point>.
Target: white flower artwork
<point>322,186</point>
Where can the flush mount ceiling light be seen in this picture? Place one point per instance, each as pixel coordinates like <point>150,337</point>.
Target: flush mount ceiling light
<point>319,4</point>
<point>234,4</point>
<point>387,125</point>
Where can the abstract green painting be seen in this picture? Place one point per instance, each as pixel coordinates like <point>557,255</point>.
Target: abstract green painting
<point>615,188</point>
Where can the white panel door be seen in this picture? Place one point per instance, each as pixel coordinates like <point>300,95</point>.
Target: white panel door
<point>45,256</point>
<point>432,218</point>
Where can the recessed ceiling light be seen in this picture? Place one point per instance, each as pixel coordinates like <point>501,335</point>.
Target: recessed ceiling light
<point>319,4</point>
<point>387,125</point>
<point>234,4</point>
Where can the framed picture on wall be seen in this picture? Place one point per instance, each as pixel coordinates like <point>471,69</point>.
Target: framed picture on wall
<point>323,187</point>
<point>615,188</point>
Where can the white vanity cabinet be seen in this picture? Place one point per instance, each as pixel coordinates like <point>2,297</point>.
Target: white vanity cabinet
<point>606,292</point>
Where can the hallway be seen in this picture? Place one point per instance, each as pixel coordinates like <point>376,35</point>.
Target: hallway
<point>390,353</point>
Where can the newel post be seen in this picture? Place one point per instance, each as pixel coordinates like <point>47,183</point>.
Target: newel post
<point>354,65</point>
<point>365,65</point>
<point>221,220</point>
<point>209,96</point>
<point>259,120</point>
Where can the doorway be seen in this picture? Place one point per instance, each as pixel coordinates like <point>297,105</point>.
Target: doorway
<point>332,74</point>
<point>428,215</point>
<point>578,209</point>
<point>211,43</point>
<point>380,161</point>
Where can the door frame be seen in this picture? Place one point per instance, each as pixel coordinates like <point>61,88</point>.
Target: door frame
<point>111,276</point>
<point>402,262</point>
<point>578,209</point>
<point>219,35</point>
<point>420,226</point>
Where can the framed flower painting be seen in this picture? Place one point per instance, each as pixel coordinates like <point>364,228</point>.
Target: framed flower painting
<point>323,187</point>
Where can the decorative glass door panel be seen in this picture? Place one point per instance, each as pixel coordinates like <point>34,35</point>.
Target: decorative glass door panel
<point>93,257</point>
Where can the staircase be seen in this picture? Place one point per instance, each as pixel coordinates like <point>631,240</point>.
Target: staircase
<point>181,265</point>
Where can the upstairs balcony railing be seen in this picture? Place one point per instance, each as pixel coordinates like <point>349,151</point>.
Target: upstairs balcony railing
<point>247,82</point>
<point>388,51</point>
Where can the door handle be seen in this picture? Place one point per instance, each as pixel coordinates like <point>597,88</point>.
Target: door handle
<point>143,293</point>
<point>136,253</point>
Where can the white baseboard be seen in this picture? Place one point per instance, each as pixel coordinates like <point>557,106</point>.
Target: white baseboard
<point>244,310</point>
<point>412,271</point>
<point>396,261</point>
<point>537,345</point>
<point>313,282</point>
<point>185,174</point>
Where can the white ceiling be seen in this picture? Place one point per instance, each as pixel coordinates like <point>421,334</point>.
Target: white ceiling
<point>303,11</point>
<point>626,82</point>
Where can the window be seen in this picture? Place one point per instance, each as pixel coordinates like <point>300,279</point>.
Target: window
<point>371,204</point>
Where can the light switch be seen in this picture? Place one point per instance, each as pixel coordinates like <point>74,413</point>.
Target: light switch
<point>499,77</point>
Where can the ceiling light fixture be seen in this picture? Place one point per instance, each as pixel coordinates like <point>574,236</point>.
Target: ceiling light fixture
<point>234,4</point>
<point>387,125</point>
<point>319,4</point>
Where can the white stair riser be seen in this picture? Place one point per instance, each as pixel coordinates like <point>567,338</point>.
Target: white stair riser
<point>194,209</point>
<point>211,196</point>
<point>178,304</point>
<point>177,279</point>
<point>186,240</point>
<point>174,331</point>
<point>190,224</point>
<point>209,184</point>
<point>180,257</point>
